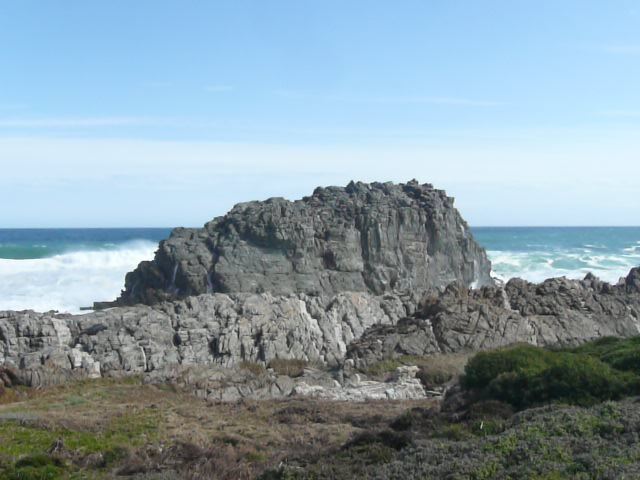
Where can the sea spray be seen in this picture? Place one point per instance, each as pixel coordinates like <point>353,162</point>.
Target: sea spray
<point>69,281</point>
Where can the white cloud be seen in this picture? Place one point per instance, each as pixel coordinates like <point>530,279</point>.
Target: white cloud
<point>519,180</point>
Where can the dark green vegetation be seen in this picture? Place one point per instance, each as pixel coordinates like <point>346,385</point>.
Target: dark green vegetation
<point>519,413</point>
<point>525,376</point>
<point>489,442</point>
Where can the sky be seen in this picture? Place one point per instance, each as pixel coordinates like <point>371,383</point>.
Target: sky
<point>165,113</point>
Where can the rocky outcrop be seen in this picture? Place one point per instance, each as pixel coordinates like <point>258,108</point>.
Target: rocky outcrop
<point>216,330</point>
<point>341,279</point>
<point>231,384</point>
<point>402,386</point>
<point>374,238</point>
<point>557,311</point>
<point>354,329</point>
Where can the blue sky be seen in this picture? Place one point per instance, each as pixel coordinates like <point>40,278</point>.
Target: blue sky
<point>164,113</point>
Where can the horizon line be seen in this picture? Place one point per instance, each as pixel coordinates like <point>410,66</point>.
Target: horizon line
<point>201,226</point>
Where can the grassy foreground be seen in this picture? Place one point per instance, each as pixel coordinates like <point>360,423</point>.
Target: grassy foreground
<point>518,413</point>
<point>122,428</point>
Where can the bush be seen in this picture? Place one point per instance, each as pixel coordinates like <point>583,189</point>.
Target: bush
<point>524,376</point>
<point>35,467</point>
<point>621,354</point>
<point>484,367</point>
<point>583,380</point>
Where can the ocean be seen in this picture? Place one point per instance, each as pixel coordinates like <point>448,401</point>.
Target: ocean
<point>66,269</point>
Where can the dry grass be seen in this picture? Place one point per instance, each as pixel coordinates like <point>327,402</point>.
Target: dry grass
<point>435,369</point>
<point>124,424</point>
<point>291,367</point>
<point>256,369</point>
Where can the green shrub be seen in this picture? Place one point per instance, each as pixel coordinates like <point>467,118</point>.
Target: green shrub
<point>525,375</point>
<point>484,367</point>
<point>431,379</point>
<point>582,380</point>
<point>620,353</point>
<point>34,467</point>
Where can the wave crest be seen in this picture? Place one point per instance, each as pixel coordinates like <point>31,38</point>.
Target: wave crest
<point>540,265</point>
<point>68,281</point>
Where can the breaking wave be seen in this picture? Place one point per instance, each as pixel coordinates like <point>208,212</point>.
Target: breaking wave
<point>537,266</point>
<point>68,281</point>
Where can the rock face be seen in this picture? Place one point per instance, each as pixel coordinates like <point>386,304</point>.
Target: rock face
<point>216,330</point>
<point>556,311</point>
<point>220,332</point>
<point>374,238</point>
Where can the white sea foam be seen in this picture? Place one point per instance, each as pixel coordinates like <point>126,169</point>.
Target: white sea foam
<point>540,265</point>
<point>76,279</point>
<point>69,281</point>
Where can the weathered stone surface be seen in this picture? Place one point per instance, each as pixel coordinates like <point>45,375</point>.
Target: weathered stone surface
<point>236,383</point>
<point>374,238</point>
<point>632,282</point>
<point>217,330</point>
<point>556,311</point>
<point>404,386</point>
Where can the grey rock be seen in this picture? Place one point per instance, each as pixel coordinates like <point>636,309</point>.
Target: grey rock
<point>217,330</point>
<point>236,383</point>
<point>202,341</point>
<point>374,238</point>
<point>404,386</point>
<point>555,312</point>
<point>632,282</point>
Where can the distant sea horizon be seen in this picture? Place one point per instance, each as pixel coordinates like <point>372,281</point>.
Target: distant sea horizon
<point>65,269</point>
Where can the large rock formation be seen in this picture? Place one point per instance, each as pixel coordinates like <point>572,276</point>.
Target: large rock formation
<point>342,279</point>
<point>374,238</point>
<point>220,332</point>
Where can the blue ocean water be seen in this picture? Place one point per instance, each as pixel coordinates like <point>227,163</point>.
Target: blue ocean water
<point>65,269</point>
<point>537,253</point>
<point>30,243</point>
